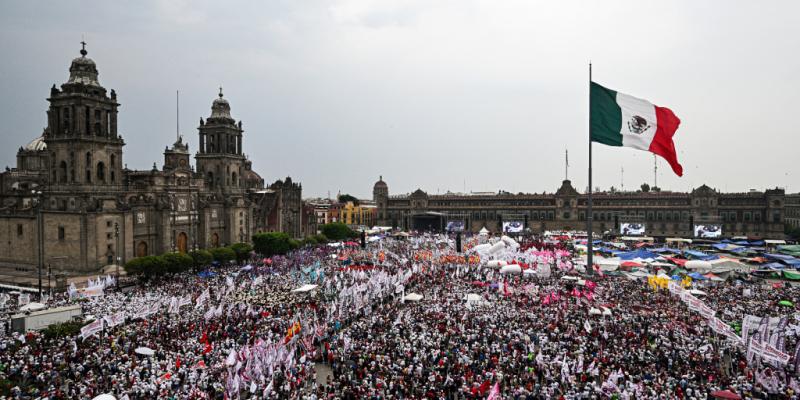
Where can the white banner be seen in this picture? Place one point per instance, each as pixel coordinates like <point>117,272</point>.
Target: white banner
<point>92,328</point>
<point>115,319</point>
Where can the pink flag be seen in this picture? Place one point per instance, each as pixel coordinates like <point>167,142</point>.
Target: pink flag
<point>590,285</point>
<point>576,292</point>
<point>546,300</point>
<point>495,393</point>
<point>589,296</point>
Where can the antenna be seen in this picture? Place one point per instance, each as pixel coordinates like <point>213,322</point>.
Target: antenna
<point>655,170</point>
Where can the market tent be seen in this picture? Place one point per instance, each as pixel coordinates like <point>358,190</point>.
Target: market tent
<point>483,231</point>
<point>304,288</point>
<point>698,265</point>
<point>698,276</point>
<point>413,297</point>
<point>728,264</point>
<point>699,255</point>
<point>774,265</point>
<point>640,254</point>
<point>145,351</point>
<point>794,276</point>
<point>792,250</point>
<point>714,278</point>
<point>511,269</point>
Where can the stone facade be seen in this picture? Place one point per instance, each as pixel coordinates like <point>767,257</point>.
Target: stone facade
<point>71,203</point>
<point>793,210</point>
<point>665,214</point>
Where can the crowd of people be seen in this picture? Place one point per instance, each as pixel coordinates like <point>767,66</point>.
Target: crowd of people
<point>248,332</point>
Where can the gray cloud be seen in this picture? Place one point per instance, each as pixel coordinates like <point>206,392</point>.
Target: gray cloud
<point>428,94</point>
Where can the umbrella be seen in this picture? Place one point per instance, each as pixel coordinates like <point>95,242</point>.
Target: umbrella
<point>105,396</point>
<point>145,351</point>
<point>786,303</point>
<point>697,292</point>
<point>725,394</point>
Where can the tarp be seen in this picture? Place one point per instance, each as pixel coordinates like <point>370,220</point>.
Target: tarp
<point>699,255</point>
<point>698,276</point>
<point>792,250</point>
<point>795,276</point>
<point>641,253</point>
<point>774,265</point>
<point>781,257</point>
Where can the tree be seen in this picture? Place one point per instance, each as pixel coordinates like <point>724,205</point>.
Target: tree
<point>201,258</point>
<point>176,263</point>
<point>792,232</point>
<point>655,189</point>
<point>242,251</point>
<point>271,243</point>
<point>223,254</point>
<point>645,187</point>
<point>344,198</point>
<point>148,266</point>
<point>337,231</point>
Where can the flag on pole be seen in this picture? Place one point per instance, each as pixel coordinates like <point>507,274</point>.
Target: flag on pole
<point>619,119</point>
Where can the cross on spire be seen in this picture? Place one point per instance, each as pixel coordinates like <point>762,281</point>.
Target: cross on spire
<point>220,92</point>
<point>83,48</point>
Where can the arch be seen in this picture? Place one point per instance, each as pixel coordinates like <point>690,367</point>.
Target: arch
<point>62,172</point>
<point>182,242</point>
<point>210,179</point>
<point>214,240</point>
<point>234,182</point>
<point>101,172</point>
<point>141,249</point>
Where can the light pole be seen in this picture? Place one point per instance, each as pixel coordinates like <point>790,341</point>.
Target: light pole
<point>40,235</point>
<point>119,259</point>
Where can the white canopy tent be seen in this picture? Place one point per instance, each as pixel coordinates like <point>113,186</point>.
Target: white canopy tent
<point>483,231</point>
<point>413,297</point>
<point>145,351</point>
<point>511,269</point>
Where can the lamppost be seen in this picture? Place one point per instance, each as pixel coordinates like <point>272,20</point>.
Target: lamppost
<point>119,259</point>
<point>50,272</point>
<point>40,235</point>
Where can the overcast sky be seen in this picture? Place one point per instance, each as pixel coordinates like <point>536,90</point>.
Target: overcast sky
<point>439,95</point>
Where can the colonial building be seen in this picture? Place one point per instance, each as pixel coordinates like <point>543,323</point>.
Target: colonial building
<point>793,210</point>
<point>72,203</point>
<point>752,214</point>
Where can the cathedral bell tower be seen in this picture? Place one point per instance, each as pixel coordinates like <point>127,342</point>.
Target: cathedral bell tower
<point>220,159</point>
<point>81,134</point>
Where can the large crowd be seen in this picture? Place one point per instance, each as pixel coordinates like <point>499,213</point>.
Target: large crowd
<point>246,332</point>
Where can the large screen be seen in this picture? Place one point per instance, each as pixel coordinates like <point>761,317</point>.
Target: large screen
<point>707,231</point>
<point>513,226</point>
<point>631,229</point>
<point>455,226</point>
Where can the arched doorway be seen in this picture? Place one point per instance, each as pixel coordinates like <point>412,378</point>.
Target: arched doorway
<point>214,240</point>
<point>182,240</point>
<point>141,249</point>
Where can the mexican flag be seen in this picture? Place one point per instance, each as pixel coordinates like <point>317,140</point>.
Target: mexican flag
<point>619,119</point>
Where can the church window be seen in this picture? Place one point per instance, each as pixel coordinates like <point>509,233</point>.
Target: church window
<point>62,172</point>
<point>101,172</point>
<point>61,234</point>
<point>19,229</point>
<point>86,120</point>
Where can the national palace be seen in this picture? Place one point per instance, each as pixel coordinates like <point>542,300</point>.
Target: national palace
<point>753,214</point>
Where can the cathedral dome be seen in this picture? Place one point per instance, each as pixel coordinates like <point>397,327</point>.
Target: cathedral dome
<point>380,184</point>
<point>220,108</point>
<point>83,70</point>
<point>37,144</point>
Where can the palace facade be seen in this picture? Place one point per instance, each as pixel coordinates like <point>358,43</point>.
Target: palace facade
<point>664,214</point>
<point>72,203</point>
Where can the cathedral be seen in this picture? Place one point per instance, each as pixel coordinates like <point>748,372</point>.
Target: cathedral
<point>72,204</point>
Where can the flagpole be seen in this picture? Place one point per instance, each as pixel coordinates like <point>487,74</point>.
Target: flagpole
<point>589,244</point>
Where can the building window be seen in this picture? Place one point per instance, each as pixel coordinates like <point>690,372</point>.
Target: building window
<point>19,229</point>
<point>61,233</point>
